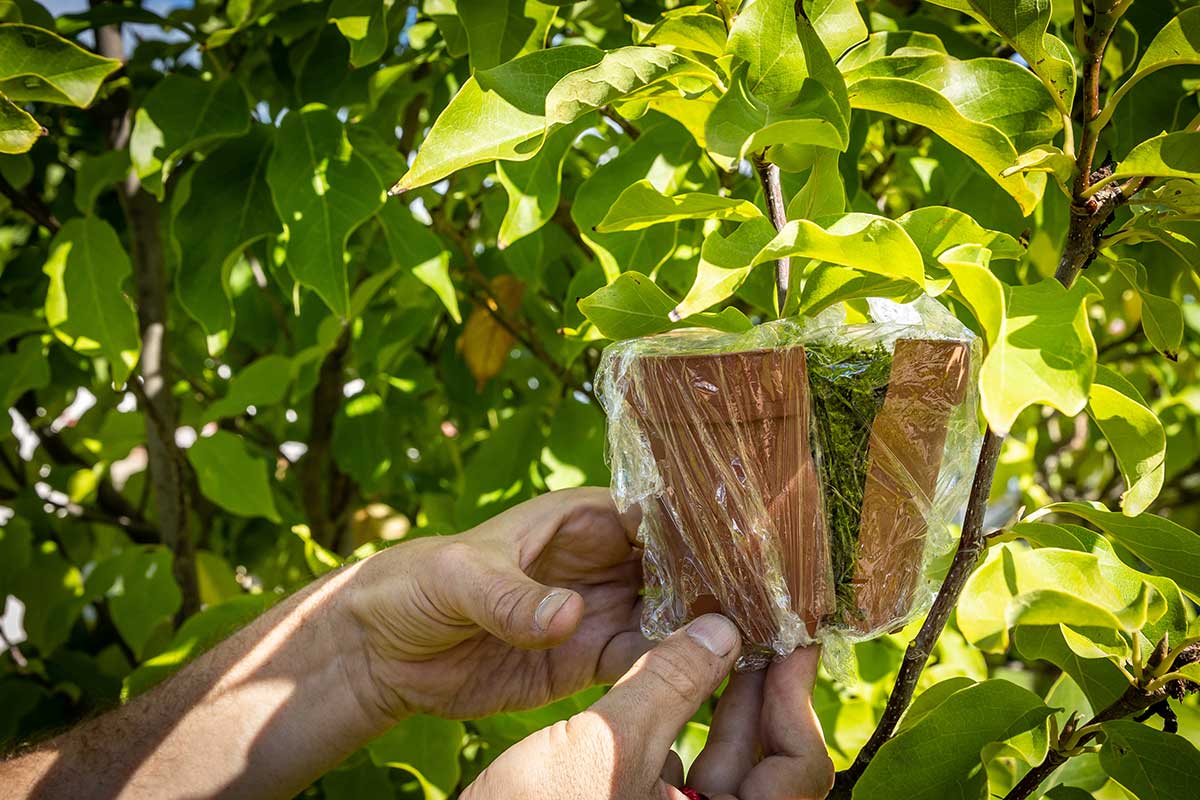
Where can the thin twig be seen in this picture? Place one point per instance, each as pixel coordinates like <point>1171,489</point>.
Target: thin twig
<point>768,176</point>
<point>615,117</point>
<point>970,546</point>
<point>31,205</point>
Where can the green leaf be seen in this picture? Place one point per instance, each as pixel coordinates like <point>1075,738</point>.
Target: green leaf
<point>940,754</point>
<point>498,114</point>
<point>18,130</point>
<point>1100,679</point>
<point>931,698</point>
<point>641,205</point>
<point>823,193</point>
<point>264,382</point>
<point>978,288</point>
<point>1023,25</point>
<point>1169,155</point>
<point>1151,764</point>
<point>936,229</point>
<point>725,263</point>
<point>1044,354</point>
<point>619,74</point>
<point>360,442</point>
<point>1045,158</point>
<point>988,109</point>
<point>228,207</point>
<point>534,186</point>
<point>838,24</point>
<point>427,747</point>
<point>633,305</point>
<point>364,24</point>
<point>498,473</point>
<point>181,114</point>
<point>662,155</point>
<point>1162,318</point>
<point>785,88</point>
<point>574,452</point>
<point>23,370</point>
<point>36,65</point>
<point>323,190</point>
<point>84,304</point>
<point>827,284</point>
<point>414,247</point>
<point>1176,44</point>
<point>1165,546</point>
<point>97,174</point>
<point>781,52</point>
<point>1135,434</point>
<point>231,477</point>
<point>140,591</point>
<point>499,31</point>
<point>863,241</point>
<point>52,590</point>
<point>1048,586</point>
<point>14,325</point>
<point>687,28</point>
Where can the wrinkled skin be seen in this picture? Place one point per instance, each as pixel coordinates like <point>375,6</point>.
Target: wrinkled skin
<point>451,626</point>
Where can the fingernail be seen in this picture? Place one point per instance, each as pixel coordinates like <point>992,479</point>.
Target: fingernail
<point>717,634</point>
<point>549,606</point>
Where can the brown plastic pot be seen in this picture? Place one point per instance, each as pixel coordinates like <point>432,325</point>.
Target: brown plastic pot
<point>908,437</point>
<point>739,496</point>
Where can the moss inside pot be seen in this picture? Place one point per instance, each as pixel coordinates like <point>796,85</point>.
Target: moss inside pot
<point>848,386</point>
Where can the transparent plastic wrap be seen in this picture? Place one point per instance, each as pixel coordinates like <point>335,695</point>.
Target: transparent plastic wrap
<point>800,477</point>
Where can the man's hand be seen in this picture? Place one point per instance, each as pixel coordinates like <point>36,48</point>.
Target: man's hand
<point>461,626</point>
<point>618,749</point>
<point>765,742</point>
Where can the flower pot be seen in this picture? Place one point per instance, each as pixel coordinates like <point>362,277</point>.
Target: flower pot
<point>736,525</point>
<point>741,481</point>
<point>928,379</point>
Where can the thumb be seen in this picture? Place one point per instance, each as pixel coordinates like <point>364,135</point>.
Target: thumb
<point>648,707</point>
<point>513,607</point>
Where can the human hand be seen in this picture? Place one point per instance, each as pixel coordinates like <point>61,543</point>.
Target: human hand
<point>620,748</point>
<point>765,742</point>
<point>531,606</point>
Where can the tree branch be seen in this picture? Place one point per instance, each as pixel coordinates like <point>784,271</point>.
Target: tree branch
<point>1089,217</point>
<point>768,176</point>
<point>615,117</point>
<point>970,546</point>
<point>170,475</point>
<point>31,205</point>
<point>1135,700</point>
<point>325,488</point>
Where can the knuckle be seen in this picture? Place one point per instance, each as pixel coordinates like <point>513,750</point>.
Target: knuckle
<point>676,673</point>
<point>452,559</point>
<point>505,606</point>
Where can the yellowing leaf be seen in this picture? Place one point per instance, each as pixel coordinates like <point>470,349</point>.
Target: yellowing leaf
<point>485,343</point>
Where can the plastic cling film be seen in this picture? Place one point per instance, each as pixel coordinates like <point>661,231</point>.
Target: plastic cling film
<point>800,477</point>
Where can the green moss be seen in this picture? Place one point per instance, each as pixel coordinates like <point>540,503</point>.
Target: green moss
<point>848,386</point>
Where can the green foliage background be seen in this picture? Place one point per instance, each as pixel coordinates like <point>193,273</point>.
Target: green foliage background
<point>231,361</point>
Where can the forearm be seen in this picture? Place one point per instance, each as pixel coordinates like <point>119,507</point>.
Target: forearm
<point>262,714</point>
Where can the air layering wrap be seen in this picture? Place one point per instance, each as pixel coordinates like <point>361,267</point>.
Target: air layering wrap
<point>803,478</point>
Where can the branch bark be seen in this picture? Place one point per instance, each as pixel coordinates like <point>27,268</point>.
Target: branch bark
<point>971,545</point>
<point>1089,217</point>
<point>326,489</point>
<point>1133,701</point>
<point>170,474</point>
<point>31,205</point>
<point>768,176</point>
